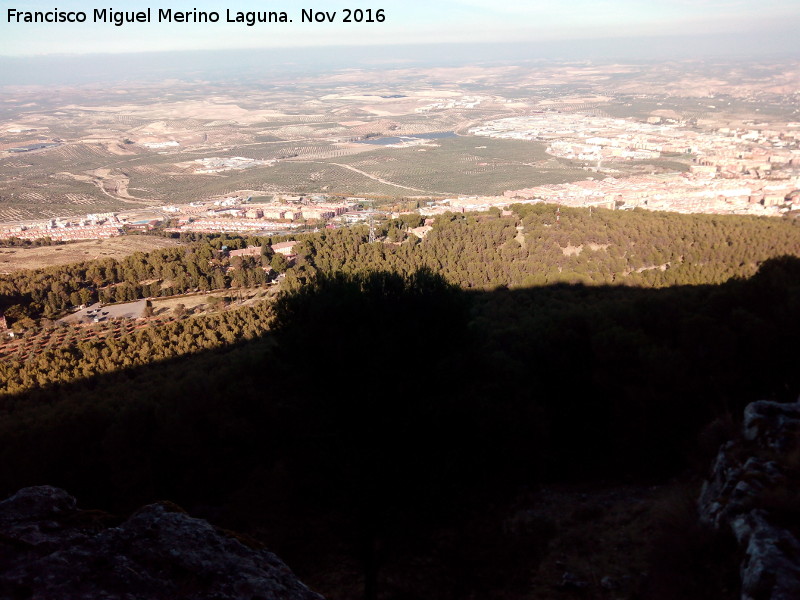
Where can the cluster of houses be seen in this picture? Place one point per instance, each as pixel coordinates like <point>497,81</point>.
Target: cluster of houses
<point>285,248</point>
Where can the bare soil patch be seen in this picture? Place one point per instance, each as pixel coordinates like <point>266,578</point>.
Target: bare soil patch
<point>15,259</point>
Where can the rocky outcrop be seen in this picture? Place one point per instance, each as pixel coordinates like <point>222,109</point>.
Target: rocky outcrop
<point>753,489</point>
<point>49,549</point>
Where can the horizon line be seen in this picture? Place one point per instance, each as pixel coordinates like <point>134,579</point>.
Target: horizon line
<point>666,37</point>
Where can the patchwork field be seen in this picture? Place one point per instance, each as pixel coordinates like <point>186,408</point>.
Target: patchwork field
<point>115,149</point>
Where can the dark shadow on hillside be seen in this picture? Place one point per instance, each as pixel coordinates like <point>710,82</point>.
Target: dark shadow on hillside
<point>391,407</point>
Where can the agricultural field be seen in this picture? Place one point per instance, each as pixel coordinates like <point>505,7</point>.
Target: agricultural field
<point>468,165</point>
<point>120,151</point>
<point>66,336</point>
<point>726,110</point>
<point>328,177</point>
<point>133,147</point>
<point>67,333</point>
<point>15,259</point>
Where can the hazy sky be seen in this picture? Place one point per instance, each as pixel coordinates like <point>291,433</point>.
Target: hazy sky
<point>407,21</point>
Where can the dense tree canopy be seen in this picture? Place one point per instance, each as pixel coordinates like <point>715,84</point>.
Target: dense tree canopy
<point>395,384</point>
<point>636,248</point>
<point>51,291</point>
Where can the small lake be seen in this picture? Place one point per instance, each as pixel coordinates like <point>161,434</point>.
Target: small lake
<point>388,141</point>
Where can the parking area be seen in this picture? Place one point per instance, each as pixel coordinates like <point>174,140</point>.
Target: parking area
<point>97,313</point>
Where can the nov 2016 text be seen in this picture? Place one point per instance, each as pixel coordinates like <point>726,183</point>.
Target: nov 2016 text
<point>119,18</point>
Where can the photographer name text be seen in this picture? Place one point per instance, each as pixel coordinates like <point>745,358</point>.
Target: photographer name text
<point>119,18</point>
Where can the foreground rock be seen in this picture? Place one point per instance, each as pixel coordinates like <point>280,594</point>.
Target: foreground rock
<point>753,489</point>
<point>51,550</point>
